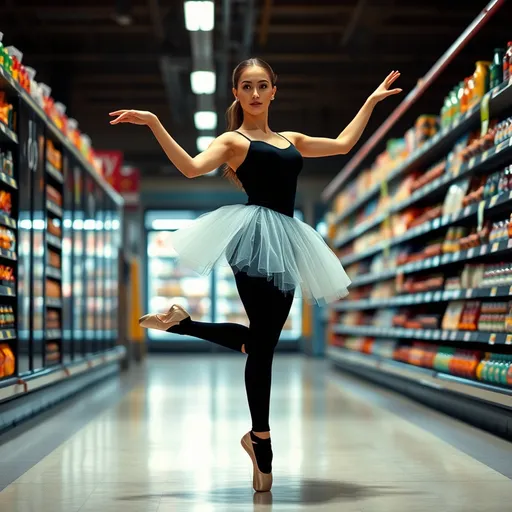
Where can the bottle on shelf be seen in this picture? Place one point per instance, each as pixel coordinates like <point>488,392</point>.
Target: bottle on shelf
<point>481,77</point>
<point>496,69</point>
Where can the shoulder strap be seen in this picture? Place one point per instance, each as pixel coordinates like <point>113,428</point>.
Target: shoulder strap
<point>240,133</point>
<point>284,138</point>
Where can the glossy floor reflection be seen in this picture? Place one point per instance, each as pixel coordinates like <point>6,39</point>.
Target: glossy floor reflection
<point>173,444</point>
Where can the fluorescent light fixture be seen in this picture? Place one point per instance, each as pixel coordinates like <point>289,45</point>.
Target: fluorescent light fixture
<point>203,142</point>
<point>205,120</point>
<point>202,82</point>
<point>199,16</point>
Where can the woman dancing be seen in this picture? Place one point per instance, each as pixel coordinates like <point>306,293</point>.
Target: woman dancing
<point>271,253</point>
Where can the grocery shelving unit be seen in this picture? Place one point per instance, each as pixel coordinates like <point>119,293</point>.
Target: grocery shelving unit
<point>423,247</point>
<point>60,235</point>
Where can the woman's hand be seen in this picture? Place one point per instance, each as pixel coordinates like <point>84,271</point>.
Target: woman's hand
<point>134,117</point>
<point>383,91</point>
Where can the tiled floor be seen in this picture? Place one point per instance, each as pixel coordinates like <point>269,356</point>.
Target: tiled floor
<point>172,444</point>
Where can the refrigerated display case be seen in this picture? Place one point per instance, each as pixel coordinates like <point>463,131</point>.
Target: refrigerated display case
<point>212,298</point>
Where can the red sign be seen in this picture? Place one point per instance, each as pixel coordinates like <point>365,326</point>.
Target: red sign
<point>123,178</point>
<point>112,162</point>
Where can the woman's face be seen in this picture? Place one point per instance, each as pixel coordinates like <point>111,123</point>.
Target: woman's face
<point>254,90</point>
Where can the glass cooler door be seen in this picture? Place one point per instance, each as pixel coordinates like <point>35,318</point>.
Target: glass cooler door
<point>167,281</point>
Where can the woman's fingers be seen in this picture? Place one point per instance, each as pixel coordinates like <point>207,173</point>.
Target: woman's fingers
<point>123,118</point>
<point>118,112</point>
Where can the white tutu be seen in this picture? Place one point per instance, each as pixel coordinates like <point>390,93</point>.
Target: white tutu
<point>263,242</point>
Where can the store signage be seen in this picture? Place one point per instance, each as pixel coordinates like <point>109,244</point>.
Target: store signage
<point>125,179</point>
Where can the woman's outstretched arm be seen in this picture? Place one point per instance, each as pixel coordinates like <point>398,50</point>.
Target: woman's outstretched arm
<point>348,138</point>
<point>217,153</point>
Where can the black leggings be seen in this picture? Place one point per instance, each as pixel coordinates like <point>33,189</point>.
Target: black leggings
<point>267,308</point>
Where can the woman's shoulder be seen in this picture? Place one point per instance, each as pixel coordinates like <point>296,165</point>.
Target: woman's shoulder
<point>293,137</point>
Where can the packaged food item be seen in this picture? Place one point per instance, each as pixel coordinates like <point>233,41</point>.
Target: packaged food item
<point>507,61</point>
<point>452,315</point>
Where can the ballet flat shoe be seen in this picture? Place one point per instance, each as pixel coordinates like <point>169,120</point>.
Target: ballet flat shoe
<point>261,482</point>
<point>164,321</point>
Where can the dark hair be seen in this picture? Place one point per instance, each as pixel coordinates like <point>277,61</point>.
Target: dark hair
<point>235,113</point>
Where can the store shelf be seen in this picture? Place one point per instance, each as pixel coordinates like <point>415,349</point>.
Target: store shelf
<point>5,178</point>
<point>424,298</point>
<point>7,134</point>
<point>53,334</point>
<point>499,338</point>
<point>53,273</point>
<point>426,377</point>
<point>501,248</point>
<point>364,279</point>
<point>15,387</point>
<point>53,208</point>
<point>7,334</point>
<point>7,221</point>
<point>7,80</point>
<point>53,241</point>
<point>436,147</point>
<point>502,150</point>
<point>7,291</point>
<point>54,173</point>
<point>53,303</point>
<point>7,255</point>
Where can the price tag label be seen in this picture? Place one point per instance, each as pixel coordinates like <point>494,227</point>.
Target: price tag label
<point>484,155</point>
<point>471,162</point>
<point>493,201</point>
<point>437,296</point>
<point>446,258</point>
<point>467,336</point>
<point>435,223</point>
<point>471,252</point>
<point>483,250</point>
<point>501,146</point>
<point>508,339</point>
<point>453,335</point>
<point>428,296</point>
<point>509,243</point>
<point>444,335</point>
<point>492,339</point>
<point>418,299</point>
<point>495,246</point>
<point>469,294</point>
<point>494,291</point>
<point>456,256</point>
<point>456,122</point>
<point>456,294</point>
<point>428,334</point>
<point>436,261</point>
<point>466,211</point>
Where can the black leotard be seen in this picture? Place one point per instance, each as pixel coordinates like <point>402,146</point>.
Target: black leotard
<point>269,175</point>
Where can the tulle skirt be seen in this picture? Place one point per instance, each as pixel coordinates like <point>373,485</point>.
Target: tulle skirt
<point>262,242</point>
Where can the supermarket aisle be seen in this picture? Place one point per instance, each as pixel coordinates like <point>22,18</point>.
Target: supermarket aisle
<point>172,444</point>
